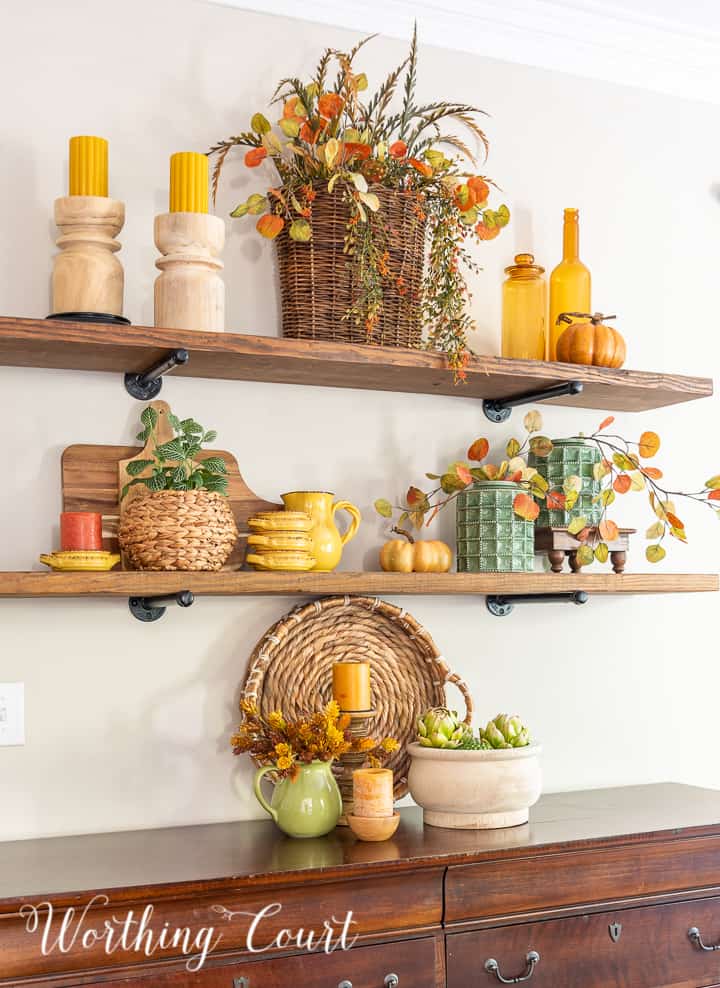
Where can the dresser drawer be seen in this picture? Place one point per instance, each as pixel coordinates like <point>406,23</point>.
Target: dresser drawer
<point>533,884</point>
<point>413,963</point>
<point>629,948</point>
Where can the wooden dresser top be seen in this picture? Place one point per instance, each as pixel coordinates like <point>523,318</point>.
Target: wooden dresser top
<point>232,855</point>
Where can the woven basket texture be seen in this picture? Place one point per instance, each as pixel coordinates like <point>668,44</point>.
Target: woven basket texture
<point>491,538</point>
<point>178,530</point>
<point>291,667</point>
<point>569,458</point>
<point>319,283</point>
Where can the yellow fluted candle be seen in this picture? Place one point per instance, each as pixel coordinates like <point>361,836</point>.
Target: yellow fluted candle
<point>372,792</point>
<point>189,182</point>
<point>351,685</point>
<point>88,166</point>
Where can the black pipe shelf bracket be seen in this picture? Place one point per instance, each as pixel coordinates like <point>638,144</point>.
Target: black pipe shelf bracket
<point>152,608</point>
<point>499,409</point>
<point>500,605</point>
<point>147,386</point>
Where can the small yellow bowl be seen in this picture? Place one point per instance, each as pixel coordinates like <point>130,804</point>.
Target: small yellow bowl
<point>89,561</point>
<point>283,541</point>
<point>373,828</point>
<point>281,561</point>
<point>280,521</point>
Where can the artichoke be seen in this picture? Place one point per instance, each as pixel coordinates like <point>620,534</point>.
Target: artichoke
<point>506,731</point>
<point>441,728</point>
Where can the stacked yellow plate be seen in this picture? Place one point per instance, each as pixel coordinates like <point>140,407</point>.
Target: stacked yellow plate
<point>280,541</point>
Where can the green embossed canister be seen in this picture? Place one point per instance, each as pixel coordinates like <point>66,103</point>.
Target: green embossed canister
<point>570,457</point>
<point>491,538</point>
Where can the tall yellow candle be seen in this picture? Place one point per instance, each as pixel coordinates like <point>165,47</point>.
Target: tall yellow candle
<point>88,166</point>
<point>351,685</point>
<point>372,792</point>
<point>189,182</point>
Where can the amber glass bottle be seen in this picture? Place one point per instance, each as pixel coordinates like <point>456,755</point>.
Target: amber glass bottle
<point>569,281</point>
<point>524,310</point>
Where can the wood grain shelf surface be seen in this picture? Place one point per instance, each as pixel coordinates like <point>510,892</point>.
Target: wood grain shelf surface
<point>241,357</point>
<point>232,584</point>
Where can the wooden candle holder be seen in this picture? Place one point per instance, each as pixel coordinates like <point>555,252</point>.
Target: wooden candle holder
<point>189,293</point>
<point>88,279</point>
<point>346,765</point>
<point>557,544</point>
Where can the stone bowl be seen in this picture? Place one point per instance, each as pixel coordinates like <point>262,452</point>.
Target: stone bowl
<point>475,790</point>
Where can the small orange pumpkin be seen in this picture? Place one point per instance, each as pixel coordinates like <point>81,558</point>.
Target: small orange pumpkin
<point>409,556</point>
<point>590,342</point>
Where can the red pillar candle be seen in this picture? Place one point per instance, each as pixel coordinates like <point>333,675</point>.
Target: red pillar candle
<point>80,530</point>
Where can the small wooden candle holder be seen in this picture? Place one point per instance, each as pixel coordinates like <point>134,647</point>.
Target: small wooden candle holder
<point>558,544</point>
<point>343,769</point>
<point>189,293</point>
<point>88,279</point>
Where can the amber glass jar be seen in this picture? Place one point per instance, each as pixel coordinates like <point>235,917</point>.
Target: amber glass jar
<point>524,310</point>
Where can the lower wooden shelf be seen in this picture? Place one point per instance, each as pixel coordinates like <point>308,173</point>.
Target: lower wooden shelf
<point>231,584</point>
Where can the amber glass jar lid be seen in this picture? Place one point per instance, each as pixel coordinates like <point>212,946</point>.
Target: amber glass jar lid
<point>524,266</point>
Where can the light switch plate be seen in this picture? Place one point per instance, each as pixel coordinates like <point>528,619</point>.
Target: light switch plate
<point>12,714</point>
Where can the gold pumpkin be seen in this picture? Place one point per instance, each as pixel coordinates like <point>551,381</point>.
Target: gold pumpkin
<point>408,556</point>
<point>591,342</point>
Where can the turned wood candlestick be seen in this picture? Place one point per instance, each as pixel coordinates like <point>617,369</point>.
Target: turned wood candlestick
<point>345,766</point>
<point>88,279</point>
<point>189,293</point>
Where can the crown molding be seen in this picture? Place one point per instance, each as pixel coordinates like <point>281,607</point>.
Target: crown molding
<point>582,37</point>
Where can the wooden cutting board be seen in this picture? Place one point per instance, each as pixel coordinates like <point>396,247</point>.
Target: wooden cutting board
<point>93,476</point>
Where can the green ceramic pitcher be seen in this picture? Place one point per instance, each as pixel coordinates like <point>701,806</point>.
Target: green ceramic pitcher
<point>308,805</point>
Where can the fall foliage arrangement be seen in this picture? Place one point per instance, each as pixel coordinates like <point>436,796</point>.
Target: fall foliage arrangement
<point>332,139</point>
<point>287,745</point>
<point>621,470</point>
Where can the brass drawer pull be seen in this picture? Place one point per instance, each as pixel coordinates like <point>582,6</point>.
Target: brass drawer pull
<point>241,982</point>
<point>531,959</point>
<point>391,981</point>
<point>696,937</point>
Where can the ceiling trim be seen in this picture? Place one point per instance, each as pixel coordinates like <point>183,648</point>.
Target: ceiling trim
<point>581,37</point>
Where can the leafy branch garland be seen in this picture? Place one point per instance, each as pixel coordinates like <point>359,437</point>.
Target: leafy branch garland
<point>328,138</point>
<point>174,467</point>
<point>621,470</point>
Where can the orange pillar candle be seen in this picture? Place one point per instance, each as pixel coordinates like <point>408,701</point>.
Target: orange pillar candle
<point>80,530</point>
<point>189,183</point>
<point>373,792</point>
<point>351,685</point>
<point>88,166</point>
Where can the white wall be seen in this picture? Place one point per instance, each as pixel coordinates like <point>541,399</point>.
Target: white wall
<point>127,725</point>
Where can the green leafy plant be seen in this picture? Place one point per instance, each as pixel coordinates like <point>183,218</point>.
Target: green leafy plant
<point>174,464</point>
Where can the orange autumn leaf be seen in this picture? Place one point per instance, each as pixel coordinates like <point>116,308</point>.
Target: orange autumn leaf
<point>255,156</point>
<point>652,472</point>
<point>491,471</point>
<point>674,520</point>
<point>622,483</point>
<point>398,149</point>
<point>464,197</point>
<point>353,149</point>
<point>584,534</point>
<point>479,188</point>
<point>515,477</point>
<point>270,225</point>
<point>421,166</point>
<point>414,496</point>
<point>330,105</point>
<point>714,496</point>
<point>525,507</point>
<point>649,444</point>
<point>606,422</point>
<point>608,530</point>
<point>463,473</point>
<point>307,134</point>
<point>293,111</point>
<point>487,232</point>
<point>556,501</point>
<point>479,450</point>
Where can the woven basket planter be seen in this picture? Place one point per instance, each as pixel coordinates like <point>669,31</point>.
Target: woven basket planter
<point>570,457</point>
<point>491,538</point>
<point>178,530</point>
<point>291,667</point>
<point>319,283</point>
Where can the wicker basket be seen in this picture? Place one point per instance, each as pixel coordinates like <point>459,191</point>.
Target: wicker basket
<point>291,667</point>
<point>178,530</point>
<point>491,538</point>
<point>319,283</point>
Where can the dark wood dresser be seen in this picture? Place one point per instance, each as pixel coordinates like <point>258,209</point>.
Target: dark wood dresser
<point>601,888</point>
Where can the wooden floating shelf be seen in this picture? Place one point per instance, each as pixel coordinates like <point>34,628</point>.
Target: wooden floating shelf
<point>232,584</point>
<point>239,357</point>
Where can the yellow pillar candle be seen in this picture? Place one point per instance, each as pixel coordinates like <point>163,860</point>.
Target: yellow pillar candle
<point>373,792</point>
<point>189,182</point>
<point>88,166</point>
<point>351,685</point>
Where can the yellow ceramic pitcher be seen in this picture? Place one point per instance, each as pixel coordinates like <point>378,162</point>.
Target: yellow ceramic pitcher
<point>327,540</point>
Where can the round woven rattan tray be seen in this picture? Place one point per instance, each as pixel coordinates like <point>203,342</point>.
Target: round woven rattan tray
<point>291,667</point>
